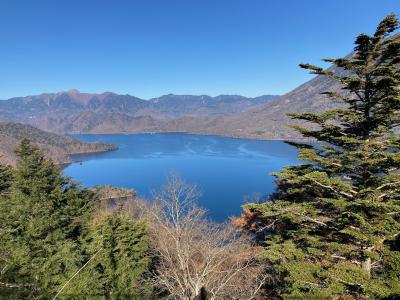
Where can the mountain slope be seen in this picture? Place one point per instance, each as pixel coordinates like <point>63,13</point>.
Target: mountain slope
<point>58,148</point>
<point>270,121</point>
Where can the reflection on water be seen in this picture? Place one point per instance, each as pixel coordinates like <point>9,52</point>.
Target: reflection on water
<point>225,169</point>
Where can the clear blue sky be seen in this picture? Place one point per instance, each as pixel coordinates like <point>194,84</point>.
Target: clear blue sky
<point>148,48</point>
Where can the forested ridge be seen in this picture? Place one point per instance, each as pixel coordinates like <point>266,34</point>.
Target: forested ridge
<point>56,147</point>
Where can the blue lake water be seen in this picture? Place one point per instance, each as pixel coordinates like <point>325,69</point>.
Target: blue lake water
<point>226,170</point>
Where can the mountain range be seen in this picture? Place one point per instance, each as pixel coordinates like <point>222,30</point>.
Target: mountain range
<point>75,112</point>
<point>263,117</point>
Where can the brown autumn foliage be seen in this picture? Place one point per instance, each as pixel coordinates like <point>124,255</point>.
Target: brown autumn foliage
<point>197,257</point>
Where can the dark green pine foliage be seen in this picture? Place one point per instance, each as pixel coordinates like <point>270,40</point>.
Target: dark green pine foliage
<point>118,249</point>
<point>5,184</point>
<point>334,222</point>
<point>5,179</point>
<point>42,220</point>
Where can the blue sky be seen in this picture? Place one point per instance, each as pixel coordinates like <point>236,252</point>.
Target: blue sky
<point>148,48</point>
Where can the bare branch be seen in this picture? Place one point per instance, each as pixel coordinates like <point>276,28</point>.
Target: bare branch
<point>195,254</point>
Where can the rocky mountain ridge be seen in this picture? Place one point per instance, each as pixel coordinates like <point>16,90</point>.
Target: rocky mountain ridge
<point>75,112</point>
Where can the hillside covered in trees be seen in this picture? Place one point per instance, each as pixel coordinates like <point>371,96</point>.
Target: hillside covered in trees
<point>56,147</point>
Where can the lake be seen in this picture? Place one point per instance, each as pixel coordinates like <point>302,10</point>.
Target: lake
<point>226,170</point>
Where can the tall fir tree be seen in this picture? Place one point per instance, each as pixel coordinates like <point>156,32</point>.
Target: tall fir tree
<point>332,228</point>
<point>54,243</point>
<point>5,184</point>
<point>118,255</point>
<point>5,179</point>
<point>42,220</point>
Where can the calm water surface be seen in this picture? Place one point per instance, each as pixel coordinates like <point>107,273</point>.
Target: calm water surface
<point>226,170</point>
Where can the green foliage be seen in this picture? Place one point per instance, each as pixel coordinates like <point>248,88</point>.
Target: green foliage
<point>119,247</point>
<point>53,239</point>
<point>5,184</point>
<point>5,179</point>
<point>333,224</point>
<point>42,221</point>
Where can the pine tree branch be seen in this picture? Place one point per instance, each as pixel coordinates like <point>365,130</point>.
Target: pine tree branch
<point>311,283</point>
<point>393,213</point>
<point>333,189</point>
<point>267,226</point>
<point>348,282</point>
<point>13,285</point>
<point>310,219</point>
<point>77,272</point>
<point>387,184</point>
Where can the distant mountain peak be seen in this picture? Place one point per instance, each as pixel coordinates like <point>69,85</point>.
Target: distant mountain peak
<point>73,91</point>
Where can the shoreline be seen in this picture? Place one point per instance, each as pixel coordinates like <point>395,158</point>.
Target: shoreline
<point>189,133</point>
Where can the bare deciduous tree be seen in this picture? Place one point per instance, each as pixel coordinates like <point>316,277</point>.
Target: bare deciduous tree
<point>197,258</point>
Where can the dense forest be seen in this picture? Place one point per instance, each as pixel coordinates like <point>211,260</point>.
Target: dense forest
<point>331,230</point>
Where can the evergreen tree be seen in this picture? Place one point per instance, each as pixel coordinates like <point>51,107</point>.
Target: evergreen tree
<point>42,221</point>
<point>333,225</point>
<point>5,184</point>
<point>5,179</point>
<point>118,249</point>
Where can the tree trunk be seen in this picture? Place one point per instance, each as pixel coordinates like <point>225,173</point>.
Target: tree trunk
<point>366,265</point>
<point>202,295</point>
